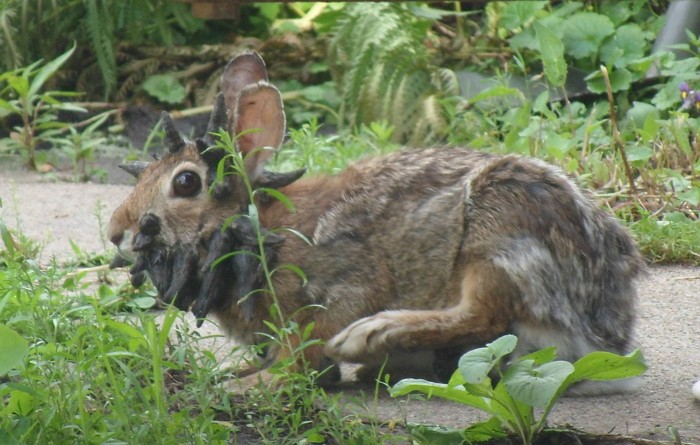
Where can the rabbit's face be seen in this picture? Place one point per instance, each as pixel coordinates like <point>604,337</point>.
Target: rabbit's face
<point>166,205</point>
<point>166,225</point>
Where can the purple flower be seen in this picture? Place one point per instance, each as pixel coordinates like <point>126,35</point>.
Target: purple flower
<point>691,98</point>
<point>685,90</point>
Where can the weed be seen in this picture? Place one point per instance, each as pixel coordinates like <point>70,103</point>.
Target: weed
<point>81,145</point>
<point>38,110</point>
<point>533,381</point>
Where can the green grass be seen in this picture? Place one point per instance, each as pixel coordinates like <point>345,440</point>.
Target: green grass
<point>100,371</point>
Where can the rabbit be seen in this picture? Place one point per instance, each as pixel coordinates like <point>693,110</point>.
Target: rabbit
<point>435,249</point>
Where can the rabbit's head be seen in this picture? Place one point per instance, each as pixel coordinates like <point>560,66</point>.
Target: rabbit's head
<point>164,225</point>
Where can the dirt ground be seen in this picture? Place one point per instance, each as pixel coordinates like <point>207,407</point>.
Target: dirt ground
<point>668,331</point>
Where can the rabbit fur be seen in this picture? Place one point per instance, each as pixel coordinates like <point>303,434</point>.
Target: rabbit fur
<point>434,249</point>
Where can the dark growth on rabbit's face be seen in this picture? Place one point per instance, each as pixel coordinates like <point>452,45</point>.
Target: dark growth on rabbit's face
<point>168,225</point>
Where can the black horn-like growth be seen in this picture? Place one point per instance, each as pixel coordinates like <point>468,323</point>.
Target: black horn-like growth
<point>173,139</point>
<point>134,168</point>
<point>218,119</point>
<point>275,180</point>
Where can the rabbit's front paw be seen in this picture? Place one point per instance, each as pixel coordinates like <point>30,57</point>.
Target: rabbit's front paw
<point>364,341</point>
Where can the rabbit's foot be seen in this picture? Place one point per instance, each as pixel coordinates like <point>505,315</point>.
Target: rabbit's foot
<point>370,339</point>
<point>366,340</point>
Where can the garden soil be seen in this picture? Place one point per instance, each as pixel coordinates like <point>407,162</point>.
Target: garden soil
<point>58,213</point>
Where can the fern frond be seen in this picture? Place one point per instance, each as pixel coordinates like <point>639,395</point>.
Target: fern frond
<point>99,26</point>
<point>406,110</point>
<point>382,69</point>
<point>446,81</point>
<point>12,57</point>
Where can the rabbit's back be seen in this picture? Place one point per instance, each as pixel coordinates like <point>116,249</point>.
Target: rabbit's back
<point>402,235</point>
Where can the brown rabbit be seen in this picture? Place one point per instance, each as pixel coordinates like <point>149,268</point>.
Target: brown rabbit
<point>419,250</point>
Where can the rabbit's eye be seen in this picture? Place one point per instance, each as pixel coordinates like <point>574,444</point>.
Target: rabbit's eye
<point>187,184</point>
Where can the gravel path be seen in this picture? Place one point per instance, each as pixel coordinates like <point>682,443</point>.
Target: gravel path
<point>668,330</point>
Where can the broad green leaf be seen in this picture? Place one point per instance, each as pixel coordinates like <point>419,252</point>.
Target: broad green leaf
<point>668,96</point>
<point>519,13</point>
<point>626,45</point>
<point>675,181</point>
<point>682,67</point>
<point>482,389</point>
<point>619,12</point>
<point>584,32</point>
<point>640,112</point>
<point>642,65</point>
<point>534,385</point>
<point>640,153</point>
<point>476,364</point>
<point>13,348</point>
<point>602,365</point>
<point>509,410</point>
<point>558,145</point>
<point>525,39</point>
<point>48,70</point>
<point>21,403</point>
<point>431,389</point>
<point>437,435</point>
<point>20,85</point>
<point>552,51</point>
<point>564,10</point>
<point>483,431</point>
<point>691,196</point>
<point>165,88</point>
<point>620,80</point>
<point>542,356</point>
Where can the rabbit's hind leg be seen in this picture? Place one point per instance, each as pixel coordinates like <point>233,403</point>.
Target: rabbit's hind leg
<point>485,311</point>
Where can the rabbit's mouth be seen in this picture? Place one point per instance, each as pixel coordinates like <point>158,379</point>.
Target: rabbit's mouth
<point>211,274</point>
<point>173,270</point>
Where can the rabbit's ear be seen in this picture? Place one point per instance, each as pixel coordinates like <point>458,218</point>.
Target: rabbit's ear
<point>255,108</point>
<point>243,70</point>
<point>260,125</point>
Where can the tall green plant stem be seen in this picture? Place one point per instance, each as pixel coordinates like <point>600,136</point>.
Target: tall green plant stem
<point>616,132</point>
